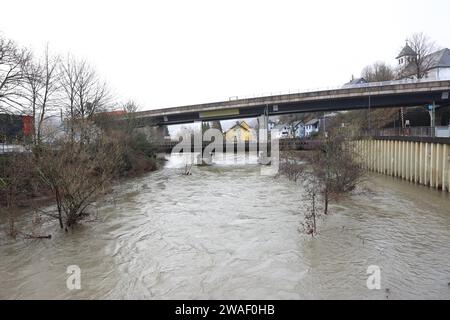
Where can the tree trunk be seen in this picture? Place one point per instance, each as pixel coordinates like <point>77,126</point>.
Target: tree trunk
<point>314,216</point>
<point>58,204</point>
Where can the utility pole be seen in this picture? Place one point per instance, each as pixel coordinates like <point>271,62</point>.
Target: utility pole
<point>432,112</point>
<point>402,119</point>
<point>370,124</point>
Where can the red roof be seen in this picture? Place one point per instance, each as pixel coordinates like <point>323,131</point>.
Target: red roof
<point>114,113</point>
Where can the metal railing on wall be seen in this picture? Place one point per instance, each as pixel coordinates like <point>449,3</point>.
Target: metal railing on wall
<point>346,86</point>
<point>439,131</point>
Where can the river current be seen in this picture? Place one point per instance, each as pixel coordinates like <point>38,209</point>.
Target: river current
<point>228,232</point>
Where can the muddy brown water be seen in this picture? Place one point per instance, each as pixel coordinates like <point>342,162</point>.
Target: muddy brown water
<point>227,232</point>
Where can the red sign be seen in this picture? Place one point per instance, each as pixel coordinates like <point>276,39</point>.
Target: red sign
<point>28,124</point>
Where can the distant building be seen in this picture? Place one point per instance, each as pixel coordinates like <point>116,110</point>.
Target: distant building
<point>355,82</point>
<point>15,127</point>
<point>240,132</point>
<point>438,64</point>
<point>406,56</point>
<point>298,129</point>
<point>216,125</point>
<point>112,113</point>
<point>312,127</point>
<point>271,124</point>
<point>281,131</point>
<point>295,129</point>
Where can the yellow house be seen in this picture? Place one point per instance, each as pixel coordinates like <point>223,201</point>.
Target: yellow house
<point>240,132</point>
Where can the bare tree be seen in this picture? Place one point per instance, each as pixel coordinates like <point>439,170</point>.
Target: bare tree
<point>422,61</point>
<point>129,109</point>
<point>370,119</point>
<point>291,167</point>
<point>16,183</point>
<point>12,59</point>
<point>378,72</point>
<point>41,82</point>
<point>78,173</point>
<point>311,205</point>
<point>78,167</point>
<point>327,174</point>
<point>130,106</point>
<point>92,95</point>
<point>335,167</point>
<point>83,93</point>
<point>68,83</point>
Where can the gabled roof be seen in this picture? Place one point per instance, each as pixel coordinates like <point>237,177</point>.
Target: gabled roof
<point>298,123</point>
<point>406,51</point>
<point>356,81</point>
<point>440,58</point>
<point>312,122</point>
<point>281,126</point>
<point>243,124</point>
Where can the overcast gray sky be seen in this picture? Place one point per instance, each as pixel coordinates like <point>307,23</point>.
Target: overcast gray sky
<point>169,53</point>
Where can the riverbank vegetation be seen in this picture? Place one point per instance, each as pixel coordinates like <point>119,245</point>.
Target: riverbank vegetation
<point>326,174</point>
<point>74,162</point>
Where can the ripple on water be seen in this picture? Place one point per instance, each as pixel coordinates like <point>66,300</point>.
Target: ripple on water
<point>228,233</point>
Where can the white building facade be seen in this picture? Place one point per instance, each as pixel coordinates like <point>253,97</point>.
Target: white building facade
<point>437,64</point>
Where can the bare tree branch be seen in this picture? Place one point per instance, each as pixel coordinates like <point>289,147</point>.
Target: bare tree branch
<point>421,63</point>
<point>12,59</point>
<point>41,82</point>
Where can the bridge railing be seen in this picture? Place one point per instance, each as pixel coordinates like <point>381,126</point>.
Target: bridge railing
<point>438,131</point>
<point>307,90</point>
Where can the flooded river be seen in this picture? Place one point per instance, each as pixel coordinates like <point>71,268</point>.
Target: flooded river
<point>227,232</point>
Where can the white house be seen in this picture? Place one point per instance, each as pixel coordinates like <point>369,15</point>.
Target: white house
<point>298,129</point>
<point>438,64</point>
<point>355,82</point>
<point>271,124</point>
<point>312,127</point>
<point>281,131</point>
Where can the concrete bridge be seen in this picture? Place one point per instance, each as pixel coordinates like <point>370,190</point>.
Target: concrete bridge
<point>403,93</point>
<point>373,95</point>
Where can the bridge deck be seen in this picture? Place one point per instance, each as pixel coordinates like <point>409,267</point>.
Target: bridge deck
<point>377,95</point>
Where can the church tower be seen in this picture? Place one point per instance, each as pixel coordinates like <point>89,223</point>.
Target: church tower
<point>406,56</point>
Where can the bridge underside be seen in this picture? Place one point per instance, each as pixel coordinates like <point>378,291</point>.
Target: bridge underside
<point>279,108</point>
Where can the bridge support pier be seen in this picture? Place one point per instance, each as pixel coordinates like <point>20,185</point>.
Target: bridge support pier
<point>263,139</point>
<point>203,158</point>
